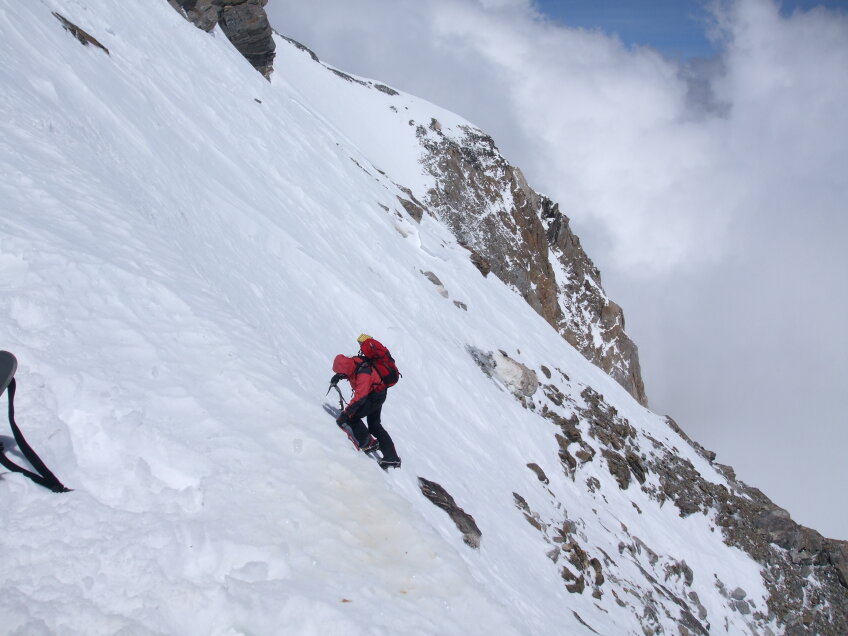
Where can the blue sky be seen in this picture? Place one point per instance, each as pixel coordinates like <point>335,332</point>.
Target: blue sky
<point>674,27</point>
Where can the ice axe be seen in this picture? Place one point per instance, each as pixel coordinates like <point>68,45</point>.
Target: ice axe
<point>334,384</point>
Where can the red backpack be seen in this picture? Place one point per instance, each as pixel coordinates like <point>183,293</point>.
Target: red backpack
<point>381,360</point>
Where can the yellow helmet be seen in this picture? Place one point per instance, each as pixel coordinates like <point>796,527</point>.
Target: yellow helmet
<point>363,337</point>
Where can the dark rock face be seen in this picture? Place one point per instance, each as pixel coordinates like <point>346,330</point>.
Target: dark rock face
<point>464,522</point>
<point>84,38</point>
<point>243,21</point>
<point>522,238</point>
<point>804,572</point>
<point>247,27</point>
<point>412,205</point>
<point>539,472</point>
<point>203,13</point>
<point>805,575</point>
<point>579,569</point>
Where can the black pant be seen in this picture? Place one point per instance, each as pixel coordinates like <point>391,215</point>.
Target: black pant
<point>370,408</point>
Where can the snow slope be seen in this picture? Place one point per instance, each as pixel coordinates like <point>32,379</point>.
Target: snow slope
<point>184,247</point>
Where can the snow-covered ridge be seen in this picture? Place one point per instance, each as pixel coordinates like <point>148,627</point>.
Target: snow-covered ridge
<point>184,248</point>
<point>453,171</point>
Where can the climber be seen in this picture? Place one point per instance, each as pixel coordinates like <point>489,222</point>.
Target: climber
<point>370,374</point>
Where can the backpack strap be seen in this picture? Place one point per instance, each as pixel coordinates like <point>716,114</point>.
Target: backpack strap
<point>371,363</point>
<point>44,477</point>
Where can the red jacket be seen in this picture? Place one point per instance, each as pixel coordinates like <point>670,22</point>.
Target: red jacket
<point>363,378</point>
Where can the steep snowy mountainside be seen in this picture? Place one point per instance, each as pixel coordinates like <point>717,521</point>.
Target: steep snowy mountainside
<point>184,249</point>
<point>175,289</point>
<point>452,170</point>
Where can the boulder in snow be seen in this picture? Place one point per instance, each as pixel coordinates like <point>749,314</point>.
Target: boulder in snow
<point>464,522</point>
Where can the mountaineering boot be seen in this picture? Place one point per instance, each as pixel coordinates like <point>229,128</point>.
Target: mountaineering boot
<point>385,464</point>
<point>371,445</point>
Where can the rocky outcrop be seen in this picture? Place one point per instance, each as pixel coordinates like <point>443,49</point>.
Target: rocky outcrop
<point>83,37</point>
<point>805,574</point>
<point>522,238</point>
<point>244,22</point>
<point>442,499</point>
<point>247,27</point>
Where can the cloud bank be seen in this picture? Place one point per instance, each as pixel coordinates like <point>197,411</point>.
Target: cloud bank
<point>712,196</point>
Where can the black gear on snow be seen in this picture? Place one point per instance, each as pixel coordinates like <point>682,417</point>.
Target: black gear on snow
<point>43,476</point>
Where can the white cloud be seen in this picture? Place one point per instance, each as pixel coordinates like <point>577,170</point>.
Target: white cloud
<point>603,130</point>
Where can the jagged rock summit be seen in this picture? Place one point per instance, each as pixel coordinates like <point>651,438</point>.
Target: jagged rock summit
<point>527,242</point>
